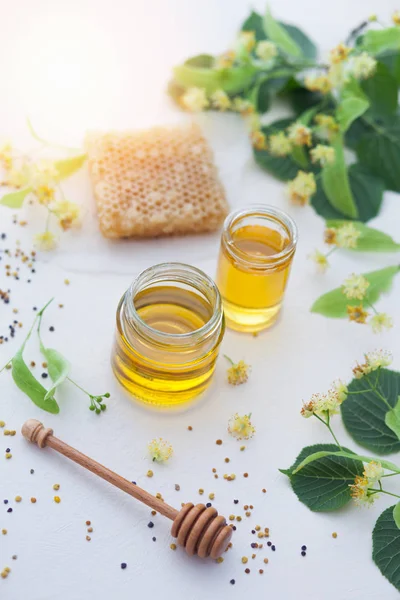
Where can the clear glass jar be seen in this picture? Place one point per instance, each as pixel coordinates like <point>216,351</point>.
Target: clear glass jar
<point>170,325</point>
<point>257,248</point>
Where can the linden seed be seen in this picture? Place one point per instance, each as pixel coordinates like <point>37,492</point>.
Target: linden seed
<point>172,546</point>
<point>56,487</point>
<point>244,559</point>
<point>334,534</point>
<point>149,473</point>
<point>18,498</point>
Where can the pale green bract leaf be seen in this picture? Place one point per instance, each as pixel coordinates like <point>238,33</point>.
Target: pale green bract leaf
<point>277,34</point>
<point>68,166</point>
<point>386,464</point>
<point>370,240</point>
<point>349,110</point>
<point>335,182</point>
<point>380,40</point>
<point>15,199</point>
<point>392,418</point>
<point>58,367</point>
<point>334,304</point>
<point>396,515</point>
<point>231,81</point>
<point>28,384</point>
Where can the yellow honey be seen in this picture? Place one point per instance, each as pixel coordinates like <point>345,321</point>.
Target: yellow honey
<point>257,249</point>
<point>169,327</point>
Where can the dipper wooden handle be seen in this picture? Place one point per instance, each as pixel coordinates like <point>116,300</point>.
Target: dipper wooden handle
<point>199,529</point>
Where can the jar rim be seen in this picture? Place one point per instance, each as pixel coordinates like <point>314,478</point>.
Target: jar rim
<point>262,210</point>
<point>184,273</point>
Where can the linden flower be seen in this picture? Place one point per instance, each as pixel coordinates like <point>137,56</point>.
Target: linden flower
<point>302,187</point>
<point>266,50</point>
<point>347,236</point>
<point>373,471</point>
<point>322,154</point>
<point>195,99</point>
<point>43,173</point>
<point>246,41</point>
<point>6,156</point>
<point>45,241</point>
<point>378,359</point>
<point>238,372</point>
<point>258,140</point>
<point>327,126</point>
<point>339,53</point>
<point>308,409</point>
<point>320,260</point>
<point>363,66</point>
<point>253,122</point>
<point>330,236</point>
<point>244,107</point>
<point>241,427</point>
<point>45,194</point>
<point>320,404</point>
<point>355,287</point>
<point>357,314</point>
<point>17,178</point>
<point>320,83</point>
<point>226,60</point>
<point>380,322</point>
<point>396,17</point>
<point>160,450</point>
<point>220,100</point>
<point>279,144</point>
<point>359,491</point>
<point>299,134</point>
<point>341,390</point>
<point>67,212</point>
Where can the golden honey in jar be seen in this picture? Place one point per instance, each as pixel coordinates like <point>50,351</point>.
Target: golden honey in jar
<point>257,248</point>
<point>170,325</point>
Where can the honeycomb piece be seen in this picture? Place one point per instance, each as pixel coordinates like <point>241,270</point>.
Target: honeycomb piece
<point>162,181</point>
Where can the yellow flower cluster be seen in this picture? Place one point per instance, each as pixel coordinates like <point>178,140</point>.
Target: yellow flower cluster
<point>320,83</point>
<point>355,287</point>
<point>238,372</point>
<point>323,404</point>
<point>241,427</point>
<point>266,50</point>
<point>302,187</point>
<point>362,488</point>
<point>378,359</point>
<point>322,154</point>
<point>345,236</point>
<point>160,450</point>
<point>299,134</point>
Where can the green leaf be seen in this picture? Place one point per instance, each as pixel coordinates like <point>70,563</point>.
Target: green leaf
<point>300,98</point>
<point>205,61</point>
<point>349,110</point>
<point>255,23</point>
<point>377,143</point>
<point>391,60</point>
<point>323,485</point>
<point>285,167</point>
<point>28,384</point>
<point>308,48</point>
<point>232,81</point>
<point>370,240</point>
<point>396,515</point>
<point>334,304</point>
<point>386,547</point>
<point>367,193</point>
<point>268,86</point>
<point>382,91</point>
<point>336,184</point>
<point>392,418</point>
<point>363,413</point>
<point>58,368</point>
<point>68,166</point>
<point>15,199</point>
<point>381,40</point>
<point>280,36</point>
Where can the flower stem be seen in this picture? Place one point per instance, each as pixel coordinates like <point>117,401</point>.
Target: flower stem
<point>79,387</point>
<point>383,492</point>
<point>330,428</point>
<point>378,393</point>
<point>228,359</point>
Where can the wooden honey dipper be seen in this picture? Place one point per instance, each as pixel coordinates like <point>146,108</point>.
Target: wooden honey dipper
<point>200,530</point>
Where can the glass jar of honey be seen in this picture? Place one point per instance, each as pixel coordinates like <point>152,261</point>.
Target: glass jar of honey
<point>170,325</point>
<point>257,248</point>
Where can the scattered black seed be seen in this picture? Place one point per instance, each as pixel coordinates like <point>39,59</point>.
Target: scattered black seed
<point>232,582</point>
<point>208,504</point>
<point>273,548</point>
<point>134,482</point>
<point>44,375</point>
<point>304,547</point>
<point>154,539</point>
<point>236,502</point>
<point>234,527</point>
<point>123,565</point>
<point>8,450</point>
<point>150,524</point>
<point>269,543</point>
<point>254,545</point>
<point>35,308</point>
<point>32,471</point>
<point>303,553</point>
<point>5,501</point>
<point>9,509</point>
<point>253,531</point>
<point>51,328</point>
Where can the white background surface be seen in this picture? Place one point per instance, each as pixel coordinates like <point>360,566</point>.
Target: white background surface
<point>86,64</point>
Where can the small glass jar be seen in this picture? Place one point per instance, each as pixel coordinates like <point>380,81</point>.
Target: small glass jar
<point>257,248</point>
<point>170,325</point>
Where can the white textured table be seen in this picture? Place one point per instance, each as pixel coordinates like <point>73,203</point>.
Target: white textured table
<point>100,64</point>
